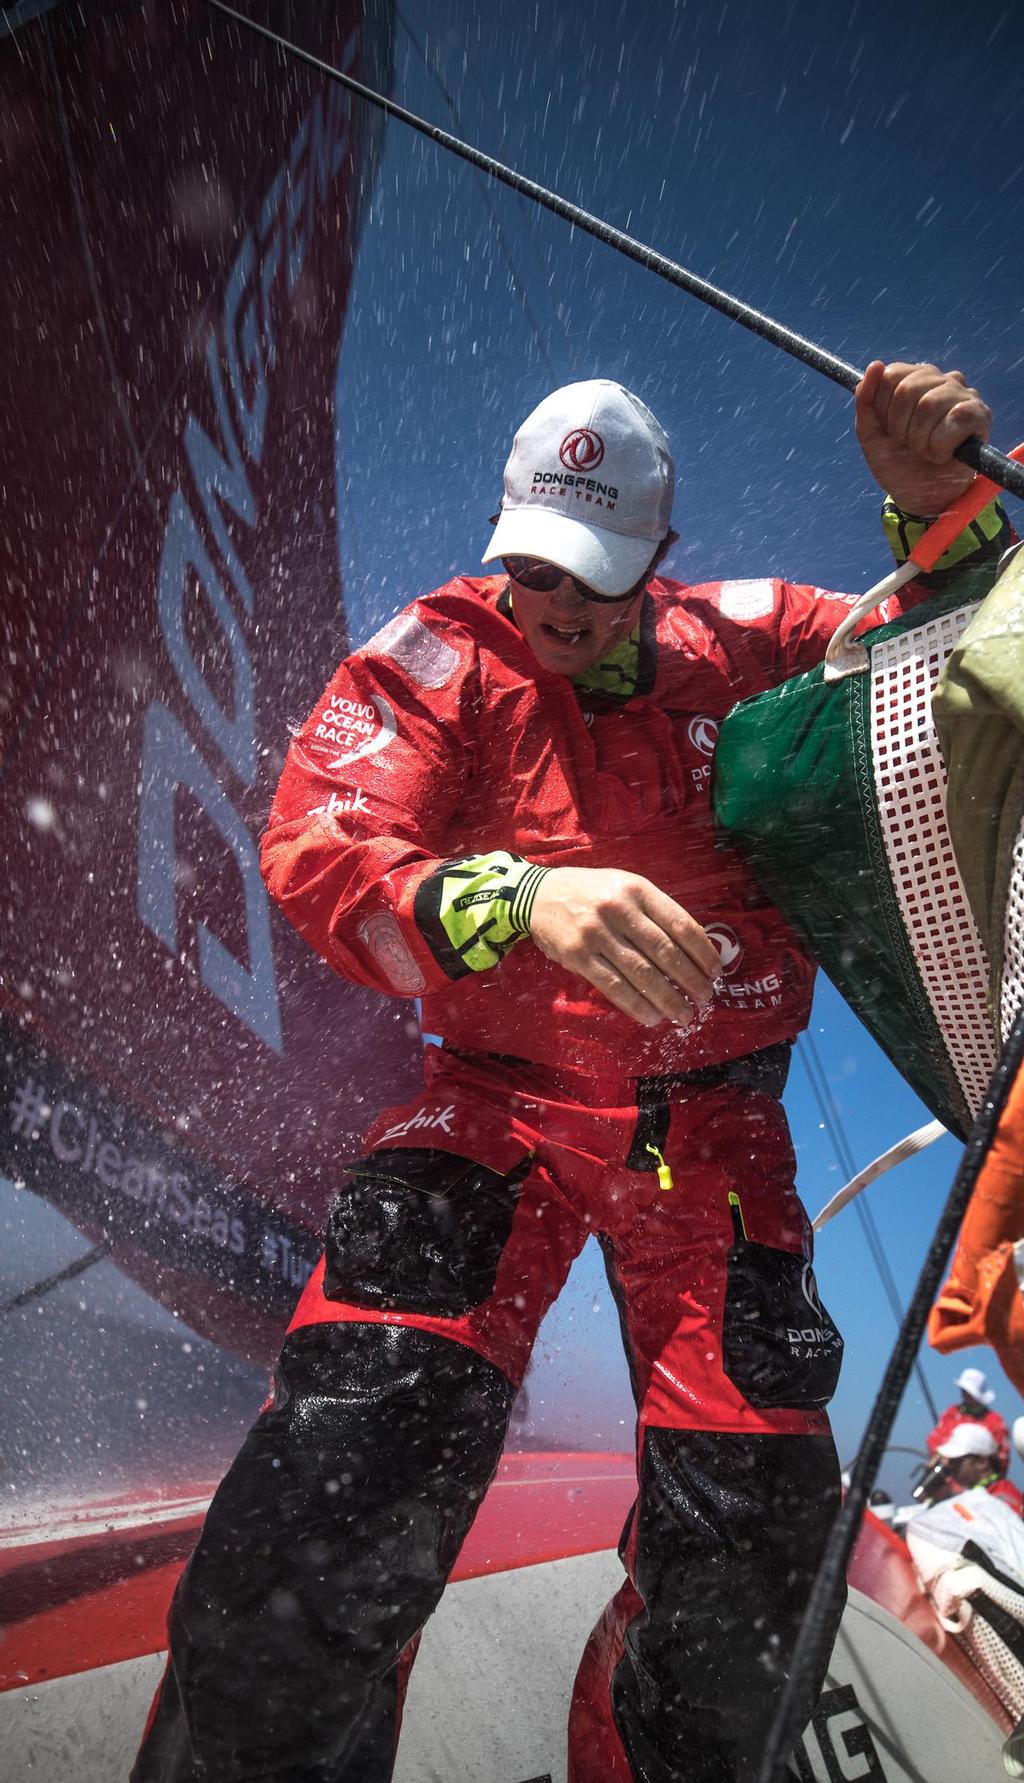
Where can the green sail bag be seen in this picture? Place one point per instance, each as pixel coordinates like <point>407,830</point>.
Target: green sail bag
<point>835,794</point>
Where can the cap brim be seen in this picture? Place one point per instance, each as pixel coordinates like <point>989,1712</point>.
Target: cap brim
<point>606,561</point>
<point>968,1440</point>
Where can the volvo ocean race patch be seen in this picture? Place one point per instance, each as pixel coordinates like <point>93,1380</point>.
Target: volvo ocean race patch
<point>361,726</point>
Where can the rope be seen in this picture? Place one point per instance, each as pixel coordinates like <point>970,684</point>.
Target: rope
<point>844,657</point>
<point>897,1154</point>
<point>833,1120</point>
<point>809,1657</point>
<point>986,459</point>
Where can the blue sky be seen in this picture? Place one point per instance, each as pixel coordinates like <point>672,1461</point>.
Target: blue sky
<point>861,179</point>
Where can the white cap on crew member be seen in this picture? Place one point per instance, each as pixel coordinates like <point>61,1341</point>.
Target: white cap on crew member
<point>588,486</point>
<point>967,1439</point>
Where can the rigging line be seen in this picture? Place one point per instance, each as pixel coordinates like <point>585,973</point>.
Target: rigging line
<point>38,1289</point>
<point>902,1448</point>
<point>986,459</point>
<point>837,1132</point>
<point>819,1083</point>
<point>518,286</point>
<point>818,1627</point>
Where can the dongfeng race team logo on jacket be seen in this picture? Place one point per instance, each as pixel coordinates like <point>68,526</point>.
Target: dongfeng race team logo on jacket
<point>581,450</point>
<point>361,726</point>
<point>703,734</point>
<point>809,1290</point>
<point>818,1340</point>
<point>727,942</point>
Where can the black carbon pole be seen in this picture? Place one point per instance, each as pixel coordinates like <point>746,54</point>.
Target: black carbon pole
<point>68,1273</point>
<point>986,459</point>
<point>797,1699</point>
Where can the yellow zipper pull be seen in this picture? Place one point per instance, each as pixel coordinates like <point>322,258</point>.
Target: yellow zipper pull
<point>739,1224</point>
<point>664,1173</point>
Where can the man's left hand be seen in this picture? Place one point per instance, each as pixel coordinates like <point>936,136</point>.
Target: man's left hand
<point>909,421</point>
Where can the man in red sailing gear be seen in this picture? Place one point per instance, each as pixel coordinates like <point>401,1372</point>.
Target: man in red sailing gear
<point>975,1405</point>
<point>500,805</point>
<point>969,1455</point>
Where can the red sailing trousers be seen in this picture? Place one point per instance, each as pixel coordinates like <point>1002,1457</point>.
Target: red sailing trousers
<point>593,1167</point>
<point>446,1244</point>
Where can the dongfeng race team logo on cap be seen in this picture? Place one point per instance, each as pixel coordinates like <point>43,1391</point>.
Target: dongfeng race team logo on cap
<point>581,450</point>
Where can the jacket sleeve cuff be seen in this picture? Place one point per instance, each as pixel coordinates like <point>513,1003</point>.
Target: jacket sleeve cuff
<point>987,537</point>
<point>472,910</point>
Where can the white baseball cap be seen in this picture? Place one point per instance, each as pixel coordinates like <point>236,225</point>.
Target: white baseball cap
<point>972,1381</point>
<point>588,486</point>
<point>967,1439</point>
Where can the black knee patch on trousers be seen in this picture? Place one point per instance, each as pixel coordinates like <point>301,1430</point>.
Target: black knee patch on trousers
<point>729,1536</point>
<point>325,1550</point>
<point>419,1230</point>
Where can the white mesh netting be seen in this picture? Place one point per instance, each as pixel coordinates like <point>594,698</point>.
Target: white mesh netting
<point>910,789</point>
<point>955,1583</point>
<point>1011,990</point>
<point>1002,1672</point>
<point>955,1594</point>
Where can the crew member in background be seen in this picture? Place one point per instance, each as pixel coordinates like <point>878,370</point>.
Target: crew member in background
<point>970,1457</point>
<point>500,805</point>
<point>974,1406</point>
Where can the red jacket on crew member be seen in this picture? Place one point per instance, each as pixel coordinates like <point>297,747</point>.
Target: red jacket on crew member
<point>442,738</point>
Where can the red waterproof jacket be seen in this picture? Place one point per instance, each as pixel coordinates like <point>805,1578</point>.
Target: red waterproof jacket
<point>442,738</point>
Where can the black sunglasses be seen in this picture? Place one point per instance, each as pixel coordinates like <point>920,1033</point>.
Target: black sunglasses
<point>541,577</point>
